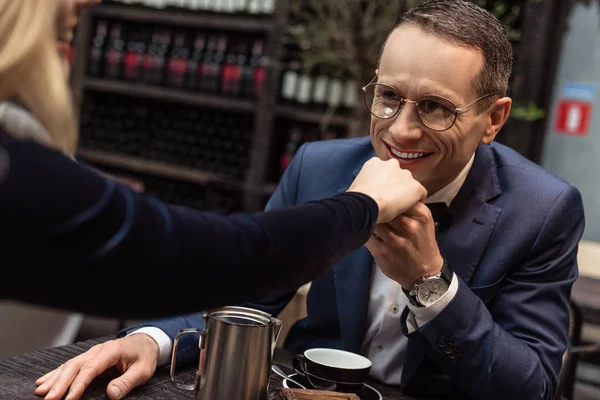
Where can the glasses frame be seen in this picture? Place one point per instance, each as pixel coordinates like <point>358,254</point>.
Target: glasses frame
<point>404,100</point>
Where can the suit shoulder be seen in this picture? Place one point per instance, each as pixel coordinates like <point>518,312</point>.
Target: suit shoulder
<point>511,162</point>
<point>338,150</point>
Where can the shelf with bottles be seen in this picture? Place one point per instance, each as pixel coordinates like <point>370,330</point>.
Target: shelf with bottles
<point>195,66</point>
<point>172,140</point>
<point>320,95</point>
<point>238,15</point>
<point>291,135</point>
<point>154,168</point>
<point>169,95</point>
<point>203,196</point>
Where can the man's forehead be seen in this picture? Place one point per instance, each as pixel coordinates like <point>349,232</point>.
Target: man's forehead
<point>426,63</point>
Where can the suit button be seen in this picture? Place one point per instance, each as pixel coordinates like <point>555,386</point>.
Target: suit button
<point>449,350</point>
<point>442,342</point>
<point>456,357</point>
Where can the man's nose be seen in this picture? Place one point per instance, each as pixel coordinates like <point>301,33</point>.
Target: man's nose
<point>406,124</point>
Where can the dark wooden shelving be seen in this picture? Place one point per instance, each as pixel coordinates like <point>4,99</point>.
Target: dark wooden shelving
<point>146,166</point>
<point>264,109</point>
<point>298,114</point>
<point>171,95</point>
<point>190,19</point>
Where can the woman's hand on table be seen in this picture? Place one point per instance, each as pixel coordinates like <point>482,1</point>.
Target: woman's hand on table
<point>134,356</point>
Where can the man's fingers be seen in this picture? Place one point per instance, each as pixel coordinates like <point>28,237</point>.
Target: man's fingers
<point>88,368</point>
<point>45,378</point>
<point>50,378</point>
<point>374,244</point>
<point>138,374</point>
<point>382,232</point>
<point>418,210</point>
<point>87,374</point>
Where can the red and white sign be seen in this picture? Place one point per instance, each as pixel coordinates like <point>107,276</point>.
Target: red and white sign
<point>573,117</point>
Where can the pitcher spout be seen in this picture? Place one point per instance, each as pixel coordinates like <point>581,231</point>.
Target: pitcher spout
<point>276,325</point>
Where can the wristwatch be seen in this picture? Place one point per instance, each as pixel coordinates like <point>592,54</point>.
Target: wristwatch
<point>429,289</point>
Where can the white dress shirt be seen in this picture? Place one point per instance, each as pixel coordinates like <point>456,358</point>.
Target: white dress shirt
<point>384,343</point>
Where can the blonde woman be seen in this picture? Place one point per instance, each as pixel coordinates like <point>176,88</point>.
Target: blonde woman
<point>70,235</point>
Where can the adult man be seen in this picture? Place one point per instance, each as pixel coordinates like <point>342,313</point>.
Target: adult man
<point>477,310</point>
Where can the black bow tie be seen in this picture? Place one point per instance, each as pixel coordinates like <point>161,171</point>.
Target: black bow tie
<point>441,214</point>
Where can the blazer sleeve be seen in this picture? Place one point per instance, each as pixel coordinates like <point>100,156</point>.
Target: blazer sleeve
<point>74,239</point>
<point>521,338</point>
<point>187,349</point>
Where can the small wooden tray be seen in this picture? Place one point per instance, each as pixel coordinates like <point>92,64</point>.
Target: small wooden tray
<point>305,394</point>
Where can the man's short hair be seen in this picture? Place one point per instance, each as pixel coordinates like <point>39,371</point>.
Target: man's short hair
<point>466,24</point>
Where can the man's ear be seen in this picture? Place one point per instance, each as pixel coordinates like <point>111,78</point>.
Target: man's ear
<point>496,119</point>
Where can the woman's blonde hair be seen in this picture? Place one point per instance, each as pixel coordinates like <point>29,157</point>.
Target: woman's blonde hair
<point>31,70</point>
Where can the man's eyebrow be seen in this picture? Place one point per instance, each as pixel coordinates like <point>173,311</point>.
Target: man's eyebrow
<point>440,92</point>
<point>453,97</point>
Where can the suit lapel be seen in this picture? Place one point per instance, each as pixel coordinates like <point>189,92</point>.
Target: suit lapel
<point>465,241</point>
<point>352,289</point>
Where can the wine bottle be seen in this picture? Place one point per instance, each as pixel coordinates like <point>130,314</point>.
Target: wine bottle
<point>228,72</point>
<point>95,59</point>
<point>134,56</point>
<point>253,74</point>
<point>178,62</point>
<point>289,82</point>
<point>351,93</point>
<point>305,87</point>
<point>293,142</point>
<point>113,64</point>
<point>268,7</point>
<point>213,67</point>
<point>156,59</point>
<point>319,93</point>
<point>336,90</point>
<point>194,70</point>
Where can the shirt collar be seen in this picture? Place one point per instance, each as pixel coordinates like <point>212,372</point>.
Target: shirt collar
<point>449,192</point>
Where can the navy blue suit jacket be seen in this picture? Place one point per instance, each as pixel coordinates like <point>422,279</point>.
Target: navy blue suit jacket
<point>513,246</point>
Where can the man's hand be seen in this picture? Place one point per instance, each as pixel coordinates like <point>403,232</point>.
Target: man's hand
<point>394,189</point>
<point>134,356</point>
<point>405,249</point>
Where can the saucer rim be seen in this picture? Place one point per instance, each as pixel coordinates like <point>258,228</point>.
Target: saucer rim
<point>285,385</point>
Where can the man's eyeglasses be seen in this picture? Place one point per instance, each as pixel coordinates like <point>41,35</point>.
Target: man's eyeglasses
<point>435,112</point>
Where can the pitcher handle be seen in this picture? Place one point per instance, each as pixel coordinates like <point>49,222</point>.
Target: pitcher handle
<point>185,386</point>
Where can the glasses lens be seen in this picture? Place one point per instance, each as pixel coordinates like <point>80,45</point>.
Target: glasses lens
<point>382,101</point>
<point>437,113</point>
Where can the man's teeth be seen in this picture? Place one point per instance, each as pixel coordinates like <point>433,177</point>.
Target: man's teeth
<point>408,156</point>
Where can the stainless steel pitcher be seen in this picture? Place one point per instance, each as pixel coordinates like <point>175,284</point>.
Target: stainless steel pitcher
<point>236,351</point>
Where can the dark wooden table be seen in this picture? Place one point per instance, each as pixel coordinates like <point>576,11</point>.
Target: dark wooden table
<point>586,294</point>
<point>18,375</point>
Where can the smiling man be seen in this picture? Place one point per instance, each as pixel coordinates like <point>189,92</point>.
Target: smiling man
<point>478,309</point>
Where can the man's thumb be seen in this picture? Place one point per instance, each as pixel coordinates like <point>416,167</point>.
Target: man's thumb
<point>135,376</point>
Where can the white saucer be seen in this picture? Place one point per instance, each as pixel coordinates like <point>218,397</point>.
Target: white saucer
<point>373,391</point>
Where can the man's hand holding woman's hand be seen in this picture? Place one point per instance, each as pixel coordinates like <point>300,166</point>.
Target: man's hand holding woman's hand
<point>403,243</point>
<point>394,189</point>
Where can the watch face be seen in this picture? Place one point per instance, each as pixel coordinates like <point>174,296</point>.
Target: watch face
<point>431,290</point>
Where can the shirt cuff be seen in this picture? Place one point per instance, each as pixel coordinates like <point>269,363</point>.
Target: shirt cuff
<point>419,316</point>
<point>165,344</point>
